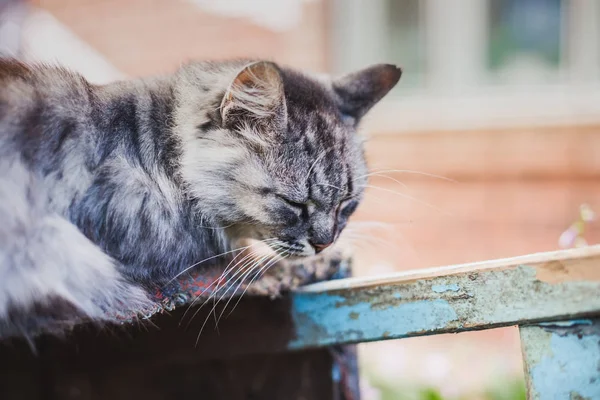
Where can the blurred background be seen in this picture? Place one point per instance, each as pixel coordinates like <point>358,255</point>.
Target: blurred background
<point>487,148</point>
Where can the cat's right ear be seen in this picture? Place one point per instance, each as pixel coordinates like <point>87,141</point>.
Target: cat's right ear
<point>255,96</point>
<point>359,91</point>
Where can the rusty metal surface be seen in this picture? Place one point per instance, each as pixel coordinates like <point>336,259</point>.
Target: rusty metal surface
<point>562,360</point>
<point>543,287</point>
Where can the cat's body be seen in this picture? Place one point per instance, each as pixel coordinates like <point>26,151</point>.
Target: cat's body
<point>107,189</point>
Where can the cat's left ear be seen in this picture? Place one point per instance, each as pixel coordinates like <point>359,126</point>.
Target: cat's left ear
<point>359,91</point>
<point>255,95</point>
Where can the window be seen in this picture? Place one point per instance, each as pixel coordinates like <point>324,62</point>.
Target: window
<point>477,60</point>
<point>372,31</point>
<point>524,39</point>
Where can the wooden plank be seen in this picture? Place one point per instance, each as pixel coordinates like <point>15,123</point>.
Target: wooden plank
<point>50,375</point>
<point>244,358</point>
<point>539,287</point>
<point>562,360</point>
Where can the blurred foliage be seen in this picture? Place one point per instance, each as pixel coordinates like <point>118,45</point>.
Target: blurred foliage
<point>508,391</point>
<point>503,390</point>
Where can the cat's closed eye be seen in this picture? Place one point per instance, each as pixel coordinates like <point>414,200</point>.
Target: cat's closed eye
<point>347,207</point>
<point>302,208</point>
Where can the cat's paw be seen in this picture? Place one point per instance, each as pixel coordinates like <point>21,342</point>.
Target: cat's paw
<point>329,265</point>
<point>290,274</point>
<point>267,286</point>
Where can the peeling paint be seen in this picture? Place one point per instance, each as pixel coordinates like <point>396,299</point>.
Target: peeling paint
<point>577,396</point>
<point>445,288</point>
<point>437,304</point>
<point>574,322</point>
<point>319,320</point>
<point>563,361</point>
<point>562,357</point>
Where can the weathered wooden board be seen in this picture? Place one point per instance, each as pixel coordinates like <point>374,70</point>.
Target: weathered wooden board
<point>562,359</point>
<point>534,288</point>
<point>242,359</point>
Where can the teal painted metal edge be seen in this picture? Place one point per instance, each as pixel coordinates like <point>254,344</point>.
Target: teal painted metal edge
<point>544,287</point>
<point>562,360</point>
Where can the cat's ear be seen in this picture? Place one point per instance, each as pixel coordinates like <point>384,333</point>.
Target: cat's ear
<point>255,95</point>
<point>359,91</point>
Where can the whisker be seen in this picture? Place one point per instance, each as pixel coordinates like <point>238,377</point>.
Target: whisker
<point>238,276</point>
<point>264,269</point>
<point>225,272</point>
<point>332,186</point>
<point>244,261</point>
<point>217,301</point>
<point>371,239</point>
<point>212,258</point>
<point>404,185</point>
<point>241,269</point>
<point>266,257</point>
<point>213,310</point>
<point>408,197</point>
<point>282,256</point>
<point>221,277</point>
<point>323,154</point>
<point>209,298</point>
<point>270,259</point>
<point>407,171</point>
<point>214,227</point>
<point>376,224</point>
<point>206,259</point>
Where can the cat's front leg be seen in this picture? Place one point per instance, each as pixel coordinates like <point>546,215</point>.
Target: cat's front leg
<point>289,274</point>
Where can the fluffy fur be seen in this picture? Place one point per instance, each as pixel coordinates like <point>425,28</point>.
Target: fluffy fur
<point>108,190</point>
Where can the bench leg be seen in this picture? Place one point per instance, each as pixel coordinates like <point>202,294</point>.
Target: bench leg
<point>562,360</point>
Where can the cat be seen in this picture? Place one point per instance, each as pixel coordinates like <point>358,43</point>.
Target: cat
<point>108,190</point>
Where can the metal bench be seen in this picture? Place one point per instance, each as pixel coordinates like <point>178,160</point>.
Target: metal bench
<point>300,346</point>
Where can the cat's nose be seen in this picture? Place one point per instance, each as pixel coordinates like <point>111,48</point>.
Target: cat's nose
<point>319,247</point>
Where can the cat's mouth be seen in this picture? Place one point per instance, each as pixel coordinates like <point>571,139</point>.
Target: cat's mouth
<point>283,249</point>
<point>299,249</point>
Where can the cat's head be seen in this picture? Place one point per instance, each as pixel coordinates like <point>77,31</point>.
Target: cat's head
<point>273,154</point>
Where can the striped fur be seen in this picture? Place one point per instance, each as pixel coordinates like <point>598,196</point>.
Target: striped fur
<point>108,190</point>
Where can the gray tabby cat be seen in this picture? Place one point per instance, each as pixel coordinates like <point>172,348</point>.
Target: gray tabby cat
<point>107,190</point>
